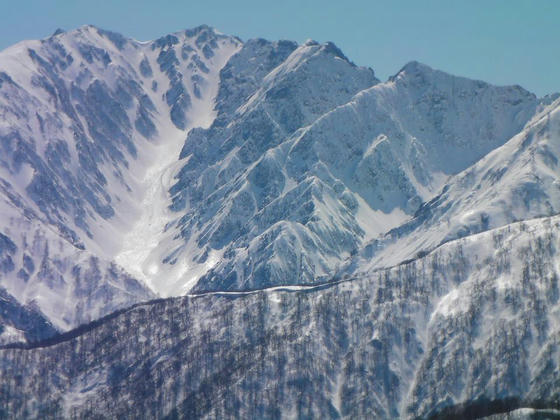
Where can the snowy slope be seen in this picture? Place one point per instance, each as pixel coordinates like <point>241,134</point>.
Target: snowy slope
<point>278,204</point>
<point>147,244</point>
<point>91,125</point>
<point>197,162</point>
<point>517,181</point>
<point>241,207</point>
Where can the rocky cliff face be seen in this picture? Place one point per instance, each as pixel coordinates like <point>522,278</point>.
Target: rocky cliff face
<point>331,245</point>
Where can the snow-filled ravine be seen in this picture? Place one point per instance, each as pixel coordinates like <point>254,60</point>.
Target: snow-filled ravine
<point>149,240</point>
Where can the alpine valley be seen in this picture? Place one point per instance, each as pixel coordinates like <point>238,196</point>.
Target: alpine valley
<point>202,227</point>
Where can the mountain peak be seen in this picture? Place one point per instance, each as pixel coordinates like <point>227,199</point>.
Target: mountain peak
<point>331,48</point>
<point>412,68</point>
<point>87,28</point>
<point>417,66</point>
<point>192,32</point>
<point>549,99</point>
<point>420,74</point>
<point>58,32</point>
<point>92,33</point>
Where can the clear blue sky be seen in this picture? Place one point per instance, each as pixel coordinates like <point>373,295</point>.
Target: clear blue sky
<point>500,41</point>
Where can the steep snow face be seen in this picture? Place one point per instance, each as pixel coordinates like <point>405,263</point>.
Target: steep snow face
<point>91,124</point>
<point>286,187</point>
<point>458,120</point>
<point>396,143</point>
<point>244,217</point>
<point>517,181</point>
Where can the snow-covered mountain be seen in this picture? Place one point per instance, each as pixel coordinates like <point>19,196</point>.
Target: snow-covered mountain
<point>289,206</point>
<point>387,248</point>
<point>294,158</point>
<point>517,181</point>
<point>89,120</point>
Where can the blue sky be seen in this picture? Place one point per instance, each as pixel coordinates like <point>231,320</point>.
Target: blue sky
<point>500,41</point>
